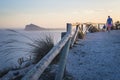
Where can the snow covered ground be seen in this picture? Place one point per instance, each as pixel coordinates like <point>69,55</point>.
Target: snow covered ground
<point>97,57</point>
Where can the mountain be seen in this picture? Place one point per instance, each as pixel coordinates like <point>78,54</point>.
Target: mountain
<point>31,27</point>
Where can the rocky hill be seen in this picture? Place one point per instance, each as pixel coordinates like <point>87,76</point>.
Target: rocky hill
<point>31,27</point>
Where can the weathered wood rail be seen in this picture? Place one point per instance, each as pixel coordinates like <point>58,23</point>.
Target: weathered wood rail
<point>61,48</point>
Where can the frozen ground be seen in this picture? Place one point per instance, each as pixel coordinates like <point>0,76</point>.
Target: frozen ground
<point>97,57</point>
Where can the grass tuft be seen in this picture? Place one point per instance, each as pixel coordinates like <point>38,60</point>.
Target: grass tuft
<point>81,35</point>
<point>93,29</point>
<point>43,46</point>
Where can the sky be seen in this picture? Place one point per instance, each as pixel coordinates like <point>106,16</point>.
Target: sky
<point>56,13</point>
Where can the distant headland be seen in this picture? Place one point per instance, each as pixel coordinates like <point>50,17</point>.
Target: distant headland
<point>31,27</point>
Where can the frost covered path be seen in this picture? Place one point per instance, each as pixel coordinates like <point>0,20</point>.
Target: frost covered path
<point>97,57</point>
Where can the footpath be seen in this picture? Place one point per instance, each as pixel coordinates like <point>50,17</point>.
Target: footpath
<point>97,57</point>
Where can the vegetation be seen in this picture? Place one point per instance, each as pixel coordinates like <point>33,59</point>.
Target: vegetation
<point>117,24</point>
<point>93,29</point>
<point>81,35</point>
<point>41,47</point>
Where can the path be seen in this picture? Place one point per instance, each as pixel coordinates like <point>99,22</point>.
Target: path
<point>97,57</point>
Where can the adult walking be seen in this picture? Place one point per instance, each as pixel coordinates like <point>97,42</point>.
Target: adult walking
<point>109,23</point>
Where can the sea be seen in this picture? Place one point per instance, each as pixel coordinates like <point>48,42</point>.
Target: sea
<point>14,44</point>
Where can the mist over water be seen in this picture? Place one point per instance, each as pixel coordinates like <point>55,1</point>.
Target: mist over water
<point>9,58</point>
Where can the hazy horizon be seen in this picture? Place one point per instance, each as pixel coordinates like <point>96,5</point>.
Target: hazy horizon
<point>56,13</point>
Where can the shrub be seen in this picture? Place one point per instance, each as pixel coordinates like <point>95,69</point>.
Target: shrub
<point>81,35</point>
<point>93,29</point>
<point>41,47</point>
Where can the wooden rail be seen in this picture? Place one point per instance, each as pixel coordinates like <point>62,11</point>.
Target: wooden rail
<point>63,48</point>
<point>74,36</point>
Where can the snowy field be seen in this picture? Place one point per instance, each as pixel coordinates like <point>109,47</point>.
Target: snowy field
<point>97,57</point>
<point>9,58</point>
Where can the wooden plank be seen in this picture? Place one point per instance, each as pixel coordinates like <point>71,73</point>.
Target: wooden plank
<point>63,58</point>
<point>74,36</point>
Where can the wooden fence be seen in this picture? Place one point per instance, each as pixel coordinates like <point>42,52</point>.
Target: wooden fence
<point>63,48</point>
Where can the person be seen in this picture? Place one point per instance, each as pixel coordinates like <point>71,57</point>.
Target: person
<point>109,23</point>
<point>104,27</point>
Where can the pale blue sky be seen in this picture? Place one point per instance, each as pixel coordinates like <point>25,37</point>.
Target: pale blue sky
<point>55,13</point>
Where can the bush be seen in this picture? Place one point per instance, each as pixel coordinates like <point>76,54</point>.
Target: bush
<point>81,35</point>
<point>41,47</point>
<point>93,29</point>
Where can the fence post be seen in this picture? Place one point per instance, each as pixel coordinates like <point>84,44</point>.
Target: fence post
<point>63,57</point>
<point>63,34</point>
<point>69,28</point>
<point>98,26</point>
<point>82,27</point>
<point>74,36</point>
